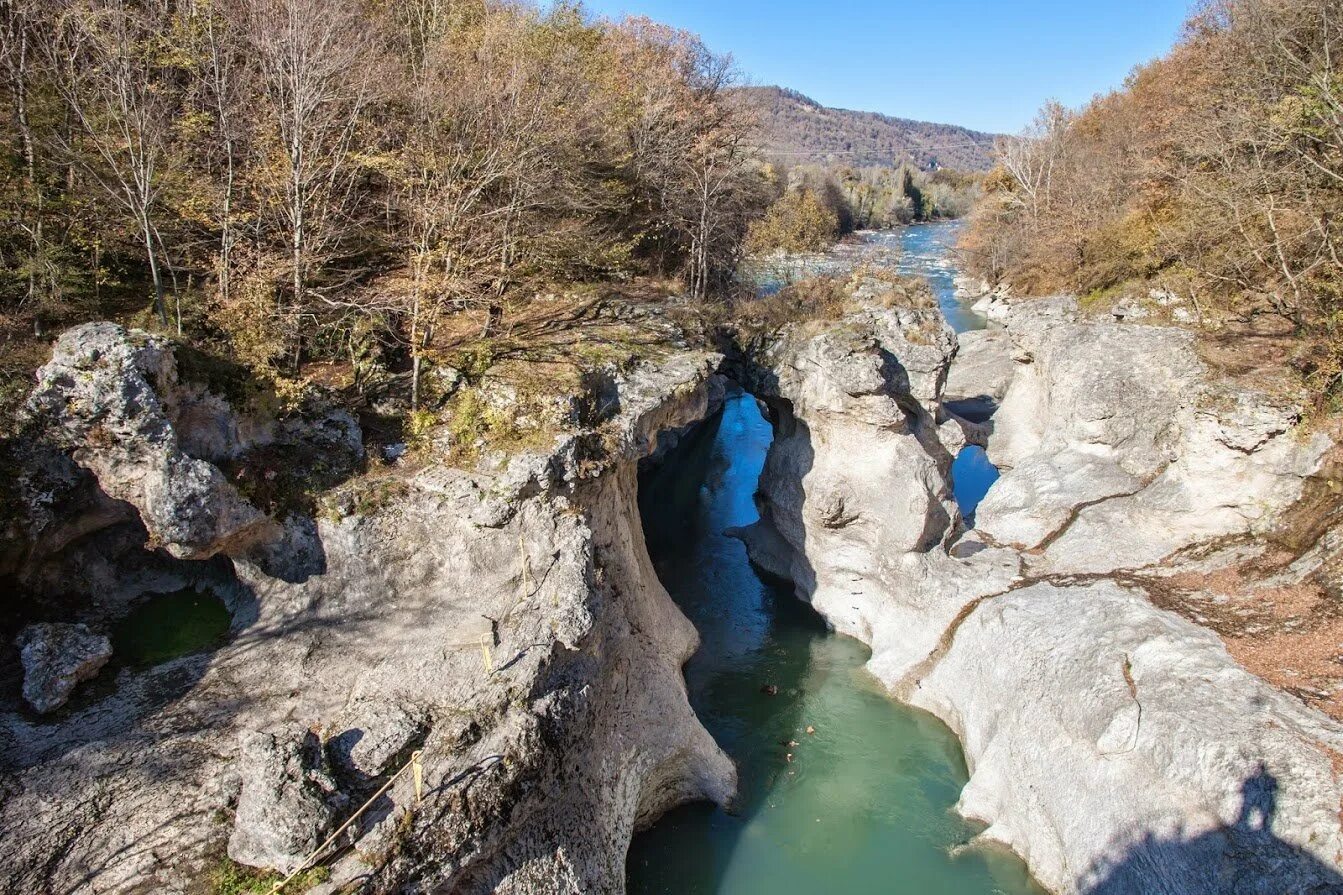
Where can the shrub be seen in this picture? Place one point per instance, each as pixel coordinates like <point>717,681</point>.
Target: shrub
<point>798,222</point>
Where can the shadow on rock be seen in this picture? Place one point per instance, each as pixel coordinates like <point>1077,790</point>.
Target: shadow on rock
<point>1244,858</point>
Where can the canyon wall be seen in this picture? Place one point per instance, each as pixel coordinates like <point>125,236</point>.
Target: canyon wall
<point>507,626</point>
<point>1115,745</point>
<point>506,623</point>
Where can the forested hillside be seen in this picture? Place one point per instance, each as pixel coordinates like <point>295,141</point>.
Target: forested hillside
<point>798,130</point>
<point>1215,175</point>
<point>299,181</point>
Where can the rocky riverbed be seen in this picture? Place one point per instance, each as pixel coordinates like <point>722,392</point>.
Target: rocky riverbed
<point>505,622</point>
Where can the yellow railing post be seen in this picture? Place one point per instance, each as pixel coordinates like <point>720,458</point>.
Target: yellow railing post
<point>486,650</point>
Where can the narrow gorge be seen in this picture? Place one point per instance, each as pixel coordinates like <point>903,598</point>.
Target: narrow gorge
<point>506,629</point>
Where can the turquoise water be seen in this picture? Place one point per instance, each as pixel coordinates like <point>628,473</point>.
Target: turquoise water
<point>863,802</point>
<point>928,250</point>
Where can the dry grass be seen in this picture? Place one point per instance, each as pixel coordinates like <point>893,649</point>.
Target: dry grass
<point>1291,635</point>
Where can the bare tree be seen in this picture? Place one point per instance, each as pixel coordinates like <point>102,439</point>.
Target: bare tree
<point>318,68</point>
<point>224,85</point>
<point>690,145</point>
<point>1263,156</point>
<point>1033,157</point>
<point>17,27</point>
<point>115,75</point>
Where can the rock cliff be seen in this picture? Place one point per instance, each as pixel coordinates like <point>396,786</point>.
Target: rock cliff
<point>508,626</point>
<point>504,622</point>
<point>1115,745</point>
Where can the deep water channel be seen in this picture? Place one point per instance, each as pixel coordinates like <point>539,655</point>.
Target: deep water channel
<point>864,805</point>
<point>843,790</point>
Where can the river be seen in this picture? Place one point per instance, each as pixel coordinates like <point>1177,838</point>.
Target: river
<point>842,789</point>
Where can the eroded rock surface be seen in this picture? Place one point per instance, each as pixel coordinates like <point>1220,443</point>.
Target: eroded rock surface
<point>1111,740</point>
<point>287,803</point>
<point>102,398</point>
<point>984,366</point>
<point>1115,745</point>
<point>1120,448</point>
<point>507,623</point>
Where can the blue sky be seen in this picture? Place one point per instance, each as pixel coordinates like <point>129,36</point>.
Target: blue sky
<point>986,64</point>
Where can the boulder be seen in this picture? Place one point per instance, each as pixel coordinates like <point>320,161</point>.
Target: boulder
<point>56,657</point>
<point>854,489</point>
<point>286,805</point>
<point>1107,389</point>
<point>106,398</point>
<point>1119,447</point>
<point>377,734</point>
<point>983,366</point>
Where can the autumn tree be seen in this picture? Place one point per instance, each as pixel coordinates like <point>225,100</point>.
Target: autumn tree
<point>318,71</point>
<point>338,179</point>
<point>1217,172</point>
<point>120,79</point>
<point>798,222</point>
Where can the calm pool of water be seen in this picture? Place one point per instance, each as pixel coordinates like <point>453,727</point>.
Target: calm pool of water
<point>170,625</point>
<point>842,789</point>
<point>971,477</point>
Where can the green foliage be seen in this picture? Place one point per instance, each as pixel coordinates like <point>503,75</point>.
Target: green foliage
<point>231,878</point>
<point>230,380</point>
<point>520,415</point>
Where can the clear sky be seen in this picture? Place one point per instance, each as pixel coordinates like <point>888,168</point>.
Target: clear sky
<point>985,64</point>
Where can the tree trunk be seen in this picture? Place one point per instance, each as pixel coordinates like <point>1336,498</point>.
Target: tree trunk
<point>160,308</point>
<point>226,231</point>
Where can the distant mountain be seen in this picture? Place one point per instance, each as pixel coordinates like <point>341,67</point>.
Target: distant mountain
<point>800,130</point>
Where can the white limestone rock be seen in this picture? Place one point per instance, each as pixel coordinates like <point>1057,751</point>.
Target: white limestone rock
<point>1120,447</point>
<point>1038,497</point>
<point>376,733</point>
<point>286,807</point>
<point>983,366</point>
<point>541,760</point>
<point>101,397</point>
<point>1119,748</point>
<point>1121,451</point>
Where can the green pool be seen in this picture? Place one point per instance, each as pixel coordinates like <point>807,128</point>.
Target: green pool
<point>170,625</point>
